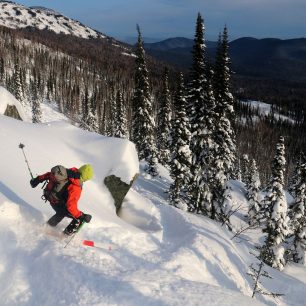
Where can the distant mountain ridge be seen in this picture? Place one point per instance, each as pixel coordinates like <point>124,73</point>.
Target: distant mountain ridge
<point>14,15</point>
<point>268,57</point>
<point>176,43</point>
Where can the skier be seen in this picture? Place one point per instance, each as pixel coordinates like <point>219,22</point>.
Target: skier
<point>63,191</point>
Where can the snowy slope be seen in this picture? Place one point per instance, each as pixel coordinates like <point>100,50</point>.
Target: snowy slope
<point>151,254</point>
<point>264,109</point>
<point>15,15</point>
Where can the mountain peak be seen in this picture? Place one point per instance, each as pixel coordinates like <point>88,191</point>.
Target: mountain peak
<point>45,9</point>
<point>16,16</point>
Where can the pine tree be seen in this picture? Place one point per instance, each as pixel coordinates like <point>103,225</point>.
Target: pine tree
<point>224,151</point>
<point>298,217</point>
<point>201,111</point>
<point>164,122</point>
<point>85,110</point>
<point>295,179</point>
<point>92,122</point>
<point>253,194</point>
<point>275,213</point>
<point>143,125</point>
<point>16,82</point>
<point>120,118</point>
<point>89,117</point>
<point>237,170</point>
<point>92,119</point>
<point>112,111</point>
<point>2,70</point>
<point>181,155</point>
<point>225,136</point>
<point>245,173</point>
<point>36,108</point>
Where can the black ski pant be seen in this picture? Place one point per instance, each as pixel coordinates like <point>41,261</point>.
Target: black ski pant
<point>60,213</point>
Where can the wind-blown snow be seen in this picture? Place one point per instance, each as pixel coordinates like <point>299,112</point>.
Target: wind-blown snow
<point>151,254</point>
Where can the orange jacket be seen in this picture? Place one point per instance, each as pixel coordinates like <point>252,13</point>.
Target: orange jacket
<point>74,191</point>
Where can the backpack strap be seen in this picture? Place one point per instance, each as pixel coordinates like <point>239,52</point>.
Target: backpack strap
<point>72,174</point>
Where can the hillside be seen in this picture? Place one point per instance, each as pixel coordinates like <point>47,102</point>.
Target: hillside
<point>150,254</point>
<point>14,15</point>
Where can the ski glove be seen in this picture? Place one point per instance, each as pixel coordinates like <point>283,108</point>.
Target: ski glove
<point>85,218</point>
<point>34,182</point>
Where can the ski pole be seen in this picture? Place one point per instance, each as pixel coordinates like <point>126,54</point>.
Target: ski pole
<point>21,146</point>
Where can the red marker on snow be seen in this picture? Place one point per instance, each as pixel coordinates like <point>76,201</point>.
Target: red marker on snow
<point>91,243</point>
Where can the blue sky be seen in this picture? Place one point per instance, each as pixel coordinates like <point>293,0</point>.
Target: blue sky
<point>171,18</point>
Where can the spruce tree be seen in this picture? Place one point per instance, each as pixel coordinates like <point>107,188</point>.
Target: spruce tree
<point>181,155</point>
<point>164,122</point>
<point>143,125</point>
<point>295,179</point>
<point>36,108</point>
<point>253,194</point>
<point>16,82</point>
<point>112,111</point>
<point>93,120</point>
<point>224,136</point>
<point>223,164</point>
<point>245,173</point>
<point>298,216</point>
<point>2,70</point>
<point>87,116</point>
<point>275,213</point>
<point>120,118</point>
<point>201,112</point>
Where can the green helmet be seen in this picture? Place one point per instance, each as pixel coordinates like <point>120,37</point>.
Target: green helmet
<point>86,172</point>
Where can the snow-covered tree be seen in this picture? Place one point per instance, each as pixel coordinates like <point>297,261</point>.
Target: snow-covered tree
<point>225,136</point>
<point>181,155</point>
<point>36,107</point>
<point>224,153</point>
<point>85,109</point>
<point>298,217</point>
<point>92,122</point>
<point>16,82</point>
<point>245,170</point>
<point>89,120</point>
<point>253,194</point>
<point>112,111</point>
<point>164,122</point>
<point>237,170</point>
<point>295,179</point>
<point>120,118</point>
<point>2,70</point>
<point>275,213</point>
<point>201,112</point>
<point>143,125</point>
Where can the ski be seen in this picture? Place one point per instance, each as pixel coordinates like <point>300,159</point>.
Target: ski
<point>73,235</point>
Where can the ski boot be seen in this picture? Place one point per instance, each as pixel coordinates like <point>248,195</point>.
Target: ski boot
<point>72,227</point>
